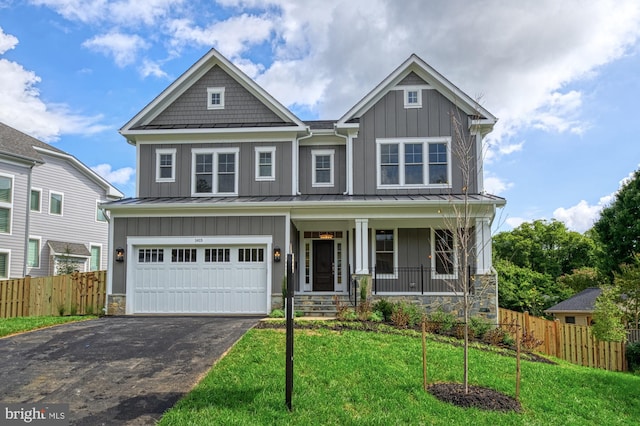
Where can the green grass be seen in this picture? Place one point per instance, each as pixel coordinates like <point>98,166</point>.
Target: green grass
<point>10,326</point>
<point>364,378</point>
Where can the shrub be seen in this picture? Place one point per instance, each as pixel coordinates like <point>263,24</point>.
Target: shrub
<point>405,314</point>
<point>376,316</point>
<point>385,307</point>
<point>399,317</point>
<point>478,327</point>
<point>633,356</point>
<point>496,336</point>
<point>443,321</point>
<point>277,313</point>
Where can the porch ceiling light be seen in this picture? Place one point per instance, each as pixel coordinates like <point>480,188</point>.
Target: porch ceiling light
<point>326,235</point>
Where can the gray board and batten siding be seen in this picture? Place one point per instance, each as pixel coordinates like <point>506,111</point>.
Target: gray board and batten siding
<point>339,170</point>
<point>240,106</point>
<point>389,119</point>
<point>199,226</point>
<point>247,183</point>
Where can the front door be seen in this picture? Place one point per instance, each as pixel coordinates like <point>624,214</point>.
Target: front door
<point>323,265</point>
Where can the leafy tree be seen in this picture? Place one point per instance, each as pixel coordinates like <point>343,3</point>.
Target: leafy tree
<point>608,317</point>
<point>582,278</point>
<point>627,284</point>
<point>547,247</point>
<point>522,289</point>
<point>618,228</point>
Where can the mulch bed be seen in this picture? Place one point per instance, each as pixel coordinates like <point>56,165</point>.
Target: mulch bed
<point>478,397</point>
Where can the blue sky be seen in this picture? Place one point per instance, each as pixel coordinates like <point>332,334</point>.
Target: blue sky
<point>563,77</point>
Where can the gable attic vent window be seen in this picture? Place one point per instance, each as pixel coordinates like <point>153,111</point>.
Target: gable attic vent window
<point>215,97</point>
<point>412,97</point>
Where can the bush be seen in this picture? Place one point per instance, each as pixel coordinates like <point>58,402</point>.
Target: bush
<point>277,313</point>
<point>478,327</point>
<point>376,316</point>
<point>385,307</point>
<point>406,314</point>
<point>633,356</point>
<point>497,336</point>
<point>442,321</point>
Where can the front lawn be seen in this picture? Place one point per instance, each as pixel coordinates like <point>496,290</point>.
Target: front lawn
<point>357,377</point>
<point>10,326</point>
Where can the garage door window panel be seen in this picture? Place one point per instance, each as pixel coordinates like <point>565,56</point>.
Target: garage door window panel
<point>184,255</point>
<point>217,255</point>
<point>150,255</point>
<point>251,255</point>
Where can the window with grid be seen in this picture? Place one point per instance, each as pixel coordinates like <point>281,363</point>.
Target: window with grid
<point>215,98</point>
<point>385,251</point>
<point>165,165</point>
<point>183,255</point>
<point>217,255</point>
<point>215,171</point>
<point>265,163</point>
<point>438,164</point>
<point>389,164</point>
<point>151,255</point>
<point>6,203</point>
<point>250,255</point>
<point>444,252</point>
<point>413,162</point>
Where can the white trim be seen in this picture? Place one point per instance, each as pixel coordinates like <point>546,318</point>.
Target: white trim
<point>401,142</point>
<point>8,253</point>
<point>317,153</point>
<point>39,210</point>
<point>51,194</point>
<point>434,273</point>
<point>159,153</point>
<point>374,242</point>
<point>39,240</point>
<point>214,91</point>
<point>91,245</point>
<point>98,209</point>
<point>410,89</point>
<point>215,152</point>
<point>260,150</point>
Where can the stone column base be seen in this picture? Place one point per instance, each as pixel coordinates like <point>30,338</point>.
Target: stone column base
<point>116,304</point>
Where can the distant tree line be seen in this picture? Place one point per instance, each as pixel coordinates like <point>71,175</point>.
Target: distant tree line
<point>541,263</point>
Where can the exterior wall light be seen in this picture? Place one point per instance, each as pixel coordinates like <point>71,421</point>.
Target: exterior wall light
<point>119,254</point>
<point>277,254</point>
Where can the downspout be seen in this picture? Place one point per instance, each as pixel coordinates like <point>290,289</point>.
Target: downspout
<point>297,154</point>
<point>349,165</point>
<point>27,221</point>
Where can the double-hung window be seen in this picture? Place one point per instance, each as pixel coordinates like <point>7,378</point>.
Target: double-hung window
<point>322,162</point>
<point>165,165</point>
<point>35,202</point>
<point>4,263</point>
<point>385,251</point>
<point>6,203</point>
<point>96,257</point>
<point>413,163</point>
<point>55,203</point>
<point>33,253</point>
<point>265,163</point>
<point>215,171</point>
<point>444,251</point>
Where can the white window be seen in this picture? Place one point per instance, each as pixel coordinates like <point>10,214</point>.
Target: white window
<point>165,165</point>
<point>6,203</point>
<point>322,167</point>
<point>33,253</point>
<point>55,203</point>
<point>386,251</point>
<point>265,163</point>
<point>5,261</point>
<point>96,257</point>
<point>100,214</point>
<point>215,171</point>
<point>413,162</point>
<point>215,98</point>
<point>412,97</point>
<point>35,202</point>
<point>443,247</point>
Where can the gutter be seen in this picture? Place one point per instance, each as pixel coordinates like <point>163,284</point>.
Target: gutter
<point>27,226</point>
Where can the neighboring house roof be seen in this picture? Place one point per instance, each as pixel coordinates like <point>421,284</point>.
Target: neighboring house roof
<point>21,147</point>
<point>62,248</point>
<point>142,120</point>
<point>582,302</point>
<point>433,78</point>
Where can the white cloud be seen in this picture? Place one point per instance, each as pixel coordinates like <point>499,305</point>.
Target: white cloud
<point>580,217</point>
<point>152,68</point>
<point>496,186</point>
<point>122,47</point>
<point>117,177</point>
<point>22,108</point>
<point>7,42</point>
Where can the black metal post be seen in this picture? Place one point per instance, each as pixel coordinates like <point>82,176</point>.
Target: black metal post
<point>289,350</point>
<point>421,279</point>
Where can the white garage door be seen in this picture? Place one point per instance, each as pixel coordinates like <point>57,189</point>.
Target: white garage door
<point>199,280</point>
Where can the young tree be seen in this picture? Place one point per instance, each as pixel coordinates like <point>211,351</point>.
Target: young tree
<point>627,284</point>
<point>608,317</point>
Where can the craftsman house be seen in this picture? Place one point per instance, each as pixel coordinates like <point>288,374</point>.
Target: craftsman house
<point>50,216</point>
<point>229,181</point>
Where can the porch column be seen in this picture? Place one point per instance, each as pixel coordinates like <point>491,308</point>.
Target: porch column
<point>362,246</point>
<point>483,246</point>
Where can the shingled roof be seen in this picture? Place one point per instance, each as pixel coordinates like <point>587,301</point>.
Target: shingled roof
<point>21,146</point>
<point>584,301</point>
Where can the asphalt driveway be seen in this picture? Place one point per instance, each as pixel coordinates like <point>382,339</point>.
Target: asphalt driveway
<point>115,370</point>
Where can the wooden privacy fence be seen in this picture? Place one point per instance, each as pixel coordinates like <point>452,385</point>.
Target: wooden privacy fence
<point>573,343</point>
<point>74,294</point>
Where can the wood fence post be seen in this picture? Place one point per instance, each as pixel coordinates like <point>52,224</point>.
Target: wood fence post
<point>26,307</point>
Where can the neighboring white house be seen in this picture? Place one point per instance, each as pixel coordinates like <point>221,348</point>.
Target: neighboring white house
<point>49,209</point>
